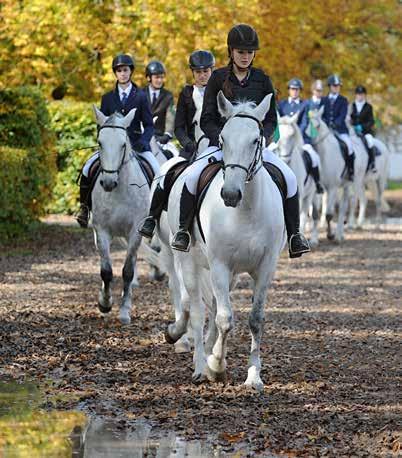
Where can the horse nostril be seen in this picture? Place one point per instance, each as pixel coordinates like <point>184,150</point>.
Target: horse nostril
<point>222,193</point>
<point>239,195</point>
<point>101,182</point>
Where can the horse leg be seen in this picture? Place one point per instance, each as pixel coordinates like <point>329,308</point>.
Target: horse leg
<point>212,331</point>
<point>134,242</point>
<point>256,322</point>
<point>343,206</point>
<point>324,206</point>
<point>220,277</point>
<point>102,242</point>
<point>379,189</point>
<point>361,195</point>
<point>354,198</point>
<point>314,240</point>
<point>330,212</point>
<point>155,273</point>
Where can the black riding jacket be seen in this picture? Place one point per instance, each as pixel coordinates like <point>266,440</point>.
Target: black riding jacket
<point>365,118</point>
<point>183,125</point>
<point>253,89</point>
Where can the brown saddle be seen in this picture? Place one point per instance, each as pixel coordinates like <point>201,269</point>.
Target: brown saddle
<point>146,168</point>
<point>171,176</point>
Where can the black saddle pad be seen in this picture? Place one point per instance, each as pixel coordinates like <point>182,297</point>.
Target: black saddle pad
<point>277,178</point>
<point>146,168</point>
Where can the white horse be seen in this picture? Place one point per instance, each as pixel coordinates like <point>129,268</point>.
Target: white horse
<point>331,171</point>
<point>118,207</point>
<point>290,150</point>
<point>362,179</point>
<point>243,224</point>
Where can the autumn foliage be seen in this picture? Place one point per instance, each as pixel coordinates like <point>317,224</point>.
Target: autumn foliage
<point>69,45</point>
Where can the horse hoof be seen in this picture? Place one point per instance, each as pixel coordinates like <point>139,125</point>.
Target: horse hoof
<point>216,376</point>
<point>104,309</point>
<point>331,237</point>
<point>257,386</point>
<point>169,339</point>
<point>199,378</point>
<point>313,244</point>
<point>181,347</point>
<point>125,318</point>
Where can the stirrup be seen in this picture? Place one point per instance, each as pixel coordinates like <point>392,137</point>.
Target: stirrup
<point>181,247</point>
<point>304,248</point>
<point>147,228</point>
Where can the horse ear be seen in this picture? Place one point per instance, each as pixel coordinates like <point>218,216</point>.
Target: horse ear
<point>100,117</point>
<point>128,119</point>
<point>224,106</point>
<point>262,109</point>
<point>321,111</point>
<point>293,119</point>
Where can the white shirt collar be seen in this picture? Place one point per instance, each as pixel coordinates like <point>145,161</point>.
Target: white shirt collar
<point>297,101</point>
<point>201,90</point>
<point>359,105</point>
<point>316,99</point>
<point>153,91</point>
<point>333,96</point>
<point>127,90</point>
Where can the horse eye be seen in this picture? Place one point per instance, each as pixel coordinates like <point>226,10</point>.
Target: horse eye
<point>255,141</point>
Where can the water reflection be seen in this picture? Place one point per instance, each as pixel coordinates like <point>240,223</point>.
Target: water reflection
<point>27,430</point>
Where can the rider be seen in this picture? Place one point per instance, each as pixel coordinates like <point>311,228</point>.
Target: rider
<point>294,104</point>
<point>362,120</point>
<point>239,81</point>
<point>316,101</point>
<point>161,101</point>
<point>335,112</point>
<point>201,63</point>
<point>122,99</point>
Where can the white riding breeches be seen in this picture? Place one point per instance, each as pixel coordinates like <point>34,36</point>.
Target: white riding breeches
<point>346,138</point>
<point>315,158</point>
<point>146,154</point>
<point>370,140</point>
<point>194,171</point>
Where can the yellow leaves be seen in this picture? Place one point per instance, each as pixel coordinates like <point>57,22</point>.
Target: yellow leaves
<point>233,438</point>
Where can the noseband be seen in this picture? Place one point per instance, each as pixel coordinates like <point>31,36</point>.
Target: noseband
<point>102,169</point>
<point>256,164</point>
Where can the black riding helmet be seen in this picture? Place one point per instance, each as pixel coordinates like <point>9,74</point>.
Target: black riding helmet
<point>201,59</point>
<point>155,67</point>
<point>123,59</point>
<point>360,90</point>
<point>244,37</point>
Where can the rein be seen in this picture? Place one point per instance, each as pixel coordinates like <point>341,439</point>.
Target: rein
<point>102,169</point>
<point>256,163</point>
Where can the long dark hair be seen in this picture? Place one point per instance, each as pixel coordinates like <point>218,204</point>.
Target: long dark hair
<point>227,84</point>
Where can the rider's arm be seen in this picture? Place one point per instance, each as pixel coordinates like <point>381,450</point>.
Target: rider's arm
<point>170,115</point>
<point>180,122</point>
<point>145,117</point>
<point>340,120</point>
<point>210,118</point>
<point>271,120</point>
<point>368,122</point>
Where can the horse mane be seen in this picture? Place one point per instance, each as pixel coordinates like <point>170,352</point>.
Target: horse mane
<point>111,120</point>
<point>298,132</point>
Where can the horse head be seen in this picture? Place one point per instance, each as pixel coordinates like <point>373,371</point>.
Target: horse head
<point>241,142</point>
<point>316,128</point>
<point>290,137</point>
<point>114,145</point>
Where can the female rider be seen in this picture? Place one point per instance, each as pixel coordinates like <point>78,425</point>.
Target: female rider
<point>239,81</point>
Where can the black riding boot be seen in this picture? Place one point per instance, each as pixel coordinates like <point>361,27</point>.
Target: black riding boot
<point>350,164</point>
<point>371,162</point>
<point>85,201</point>
<point>182,239</point>
<point>315,173</point>
<point>157,205</point>
<point>298,244</point>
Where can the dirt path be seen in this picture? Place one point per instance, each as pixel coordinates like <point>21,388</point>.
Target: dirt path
<point>331,350</point>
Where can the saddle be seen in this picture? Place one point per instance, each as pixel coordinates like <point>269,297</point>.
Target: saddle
<point>171,177</point>
<point>146,169</point>
<point>210,172</point>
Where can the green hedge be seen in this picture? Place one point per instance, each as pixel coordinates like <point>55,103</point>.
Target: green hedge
<point>75,129</point>
<point>27,159</point>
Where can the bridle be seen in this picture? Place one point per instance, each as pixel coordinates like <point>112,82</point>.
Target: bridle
<point>321,139</point>
<point>287,158</point>
<point>256,163</point>
<point>102,169</point>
